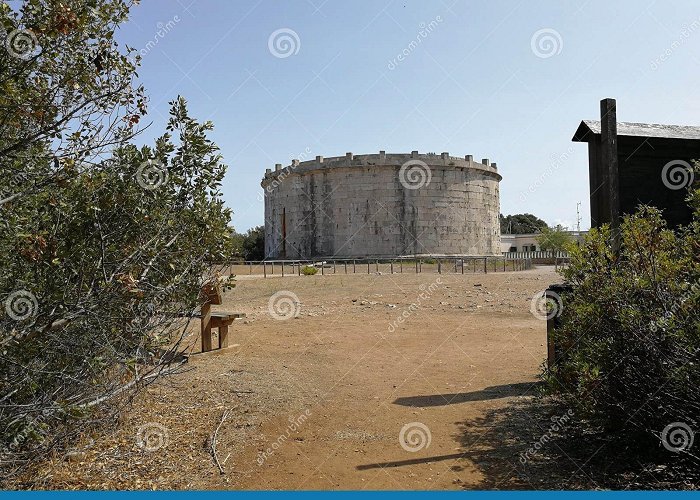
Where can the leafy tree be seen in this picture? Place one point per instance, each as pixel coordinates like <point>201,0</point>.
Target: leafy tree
<point>67,91</point>
<point>104,245</point>
<point>629,339</point>
<point>555,239</point>
<point>237,244</point>
<point>251,245</point>
<point>521,224</point>
<point>254,244</point>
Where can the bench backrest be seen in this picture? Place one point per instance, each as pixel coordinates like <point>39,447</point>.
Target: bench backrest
<point>210,294</point>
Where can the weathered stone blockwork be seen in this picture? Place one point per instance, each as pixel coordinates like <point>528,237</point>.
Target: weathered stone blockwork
<point>365,205</point>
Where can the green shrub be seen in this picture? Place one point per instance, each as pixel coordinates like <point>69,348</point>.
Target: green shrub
<point>630,330</point>
<point>308,270</point>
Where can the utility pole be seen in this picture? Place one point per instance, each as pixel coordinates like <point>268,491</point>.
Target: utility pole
<point>578,217</point>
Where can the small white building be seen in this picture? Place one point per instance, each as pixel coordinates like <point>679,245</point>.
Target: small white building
<point>528,242</point>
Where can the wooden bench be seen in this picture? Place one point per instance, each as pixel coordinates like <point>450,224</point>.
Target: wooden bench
<point>211,295</point>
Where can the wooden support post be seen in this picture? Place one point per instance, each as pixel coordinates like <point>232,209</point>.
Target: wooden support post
<point>346,266</point>
<point>205,328</point>
<point>416,263</point>
<point>439,266</point>
<point>455,266</point>
<point>283,269</point>
<point>608,145</point>
<point>401,266</point>
<point>223,336</point>
<point>376,264</point>
<point>299,268</point>
<point>273,267</point>
<point>322,268</point>
<point>333,267</point>
<point>264,269</point>
<point>353,267</point>
<point>485,263</point>
<point>462,266</point>
<point>367,267</point>
<point>391,265</point>
<point>420,265</point>
<point>250,268</point>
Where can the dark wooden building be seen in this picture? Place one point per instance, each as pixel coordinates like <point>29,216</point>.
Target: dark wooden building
<point>638,163</point>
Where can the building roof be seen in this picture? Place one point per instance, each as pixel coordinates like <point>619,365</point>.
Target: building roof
<point>589,128</point>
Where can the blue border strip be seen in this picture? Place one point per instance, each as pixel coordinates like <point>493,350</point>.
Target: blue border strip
<point>347,495</point>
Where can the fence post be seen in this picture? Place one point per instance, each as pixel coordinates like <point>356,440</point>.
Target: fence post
<point>486,271</point>
<point>391,265</point>
<point>322,267</point>
<point>299,268</point>
<point>346,266</point>
<point>250,268</point>
<point>283,269</point>
<point>367,267</point>
<point>416,262</point>
<point>376,266</point>
<point>353,266</point>
<point>462,266</point>
<point>273,267</point>
<point>401,266</point>
<point>333,267</point>
<point>264,269</point>
<point>420,265</point>
<point>439,266</point>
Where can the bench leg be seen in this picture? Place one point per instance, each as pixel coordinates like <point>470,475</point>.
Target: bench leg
<point>206,328</point>
<point>223,336</point>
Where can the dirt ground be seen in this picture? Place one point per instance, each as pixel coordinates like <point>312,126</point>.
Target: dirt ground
<point>344,395</point>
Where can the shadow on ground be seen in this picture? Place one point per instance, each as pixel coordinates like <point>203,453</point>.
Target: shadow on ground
<point>530,444</point>
<point>493,392</point>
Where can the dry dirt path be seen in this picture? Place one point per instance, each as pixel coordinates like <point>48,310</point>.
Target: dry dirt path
<point>320,401</point>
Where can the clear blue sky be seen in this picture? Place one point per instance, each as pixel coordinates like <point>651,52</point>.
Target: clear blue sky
<point>473,85</point>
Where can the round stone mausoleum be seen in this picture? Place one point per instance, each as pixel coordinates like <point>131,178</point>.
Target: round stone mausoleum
<point>382,205</point>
